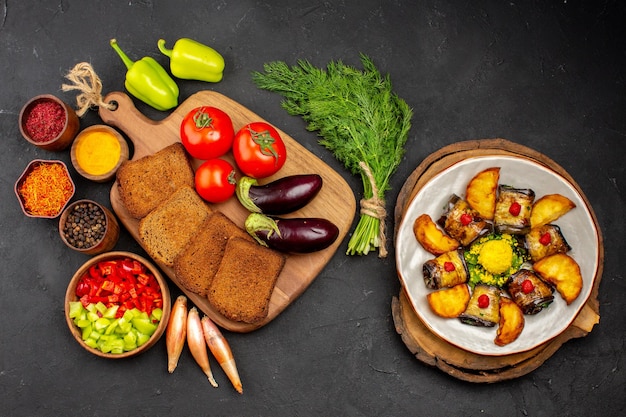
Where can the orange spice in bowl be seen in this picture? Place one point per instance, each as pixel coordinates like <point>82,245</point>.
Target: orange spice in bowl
<point>44,188</point>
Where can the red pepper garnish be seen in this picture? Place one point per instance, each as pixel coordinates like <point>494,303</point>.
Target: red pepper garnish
<point>448,266</point>
<point>515,209</point>
<point>466,219</point>
<point>527,286</point>
<point>483,301</point>
<point>545,239</point>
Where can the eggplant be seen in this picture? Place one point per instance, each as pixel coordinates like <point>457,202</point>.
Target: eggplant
<point>437,275</point>
<point>295,235</point>
<point>545,240</point>
<point>462,222</point>
<point>477,315</point>
<point>513,207</point>
<point>533,296</point>
<point>281,196</point>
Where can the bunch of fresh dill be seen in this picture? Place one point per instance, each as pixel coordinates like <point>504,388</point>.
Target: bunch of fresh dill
<point>359,119</point>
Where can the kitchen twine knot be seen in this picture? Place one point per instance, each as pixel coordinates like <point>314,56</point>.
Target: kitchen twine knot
<point>375,207</point>
<point>85,80</point>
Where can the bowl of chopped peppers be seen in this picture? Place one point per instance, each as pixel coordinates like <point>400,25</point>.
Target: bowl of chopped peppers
<point>48,123</point>
<point>117,305</point>
<point>44,188</point>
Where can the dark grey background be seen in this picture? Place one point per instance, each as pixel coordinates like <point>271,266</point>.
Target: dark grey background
<point>545,74</point>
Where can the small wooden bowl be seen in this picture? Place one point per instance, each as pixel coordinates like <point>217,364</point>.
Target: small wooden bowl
<point>108,239</point>
<point>27,171</point>
<point>70,295</point>
<point>97,154</point>
<point>64,138</point>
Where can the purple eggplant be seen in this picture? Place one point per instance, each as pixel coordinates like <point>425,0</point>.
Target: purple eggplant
<point>281,196</point>
<point>294,235</point>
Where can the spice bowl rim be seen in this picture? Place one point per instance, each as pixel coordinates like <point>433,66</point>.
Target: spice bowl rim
<point>124,152</point>
<point>111,232</point>
<point>70,126</point>
<point>70,295</point>
<point>29,167</point>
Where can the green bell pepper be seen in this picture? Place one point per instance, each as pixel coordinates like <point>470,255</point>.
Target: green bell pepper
<point>191,60</point>
<point>147,80</point>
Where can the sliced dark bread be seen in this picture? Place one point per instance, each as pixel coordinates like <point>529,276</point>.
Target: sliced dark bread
<point>197,264</point>
<point>243,285</point>
<point>146,182</point>
<point>166,230</point>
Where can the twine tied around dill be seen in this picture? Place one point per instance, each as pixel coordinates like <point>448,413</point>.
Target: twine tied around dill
<point>375,207</point>
<point>85,80</point>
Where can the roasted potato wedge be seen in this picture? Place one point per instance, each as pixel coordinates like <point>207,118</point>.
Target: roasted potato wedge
<point>449,302</point>
<point>549,208</point>
<point>433,239</point>
<point>511,322</point>
<point>562,271</point>
<point>480,192</point>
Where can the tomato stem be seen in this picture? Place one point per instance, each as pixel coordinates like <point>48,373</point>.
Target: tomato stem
<point>265,141</point>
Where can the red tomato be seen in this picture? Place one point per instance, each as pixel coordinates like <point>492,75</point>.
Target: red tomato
<point>207,132</point>
<point>259,150</point>
<point>215,180</point>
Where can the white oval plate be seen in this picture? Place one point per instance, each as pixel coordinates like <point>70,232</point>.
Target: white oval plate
<point>577,226</point>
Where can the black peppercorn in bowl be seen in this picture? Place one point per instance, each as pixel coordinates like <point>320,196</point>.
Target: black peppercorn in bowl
<point>88,227</point>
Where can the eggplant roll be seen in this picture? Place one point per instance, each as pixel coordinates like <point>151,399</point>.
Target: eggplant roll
<point>446,270</point>
<point>462,222</point>
<point>513,207</point>
<point>479,314</point>
<point>533,296</point>
<point>545,240</point>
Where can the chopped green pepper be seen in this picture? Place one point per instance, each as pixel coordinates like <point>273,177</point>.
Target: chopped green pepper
<point>147,80</point>
<point>192,60</point>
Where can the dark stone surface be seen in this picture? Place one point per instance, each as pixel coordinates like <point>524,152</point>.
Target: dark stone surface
<point>548,75</point>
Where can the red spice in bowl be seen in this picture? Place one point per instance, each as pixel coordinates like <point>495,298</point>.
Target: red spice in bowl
<point>45,121</point>
<point>44,188</point>
<point>48,122</point>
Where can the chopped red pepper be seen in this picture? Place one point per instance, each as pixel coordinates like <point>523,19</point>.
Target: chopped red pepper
<point>448,266</point>
<point>483,301</point>
<point>466,219</point>
<point>527,286</point>
<point>126,283</point>
<point>515,209</point>
<point>545,239</point>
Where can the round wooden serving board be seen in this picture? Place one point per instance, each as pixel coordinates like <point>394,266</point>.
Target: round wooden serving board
<point>335,201</point>
<point>434,351</point>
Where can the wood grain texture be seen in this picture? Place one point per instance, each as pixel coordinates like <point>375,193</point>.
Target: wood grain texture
<point>434,351</point>
<point>335,201</point>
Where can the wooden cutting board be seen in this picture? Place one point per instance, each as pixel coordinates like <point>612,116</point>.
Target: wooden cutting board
<point>335,201</point>
<point>434,351</point>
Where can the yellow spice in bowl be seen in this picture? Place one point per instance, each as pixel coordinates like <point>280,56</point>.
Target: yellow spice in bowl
<point>98,152</point>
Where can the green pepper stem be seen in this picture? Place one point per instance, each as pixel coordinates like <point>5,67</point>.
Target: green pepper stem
<point>163,49</point>
<point>127,61</point>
